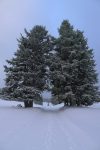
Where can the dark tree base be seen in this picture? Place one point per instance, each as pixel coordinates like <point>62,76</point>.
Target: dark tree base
<point>28,104</point>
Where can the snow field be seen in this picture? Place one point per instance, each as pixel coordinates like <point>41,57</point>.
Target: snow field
<point>44,129</point>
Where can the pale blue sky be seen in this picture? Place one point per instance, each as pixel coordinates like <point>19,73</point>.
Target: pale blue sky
<point>15,15</point>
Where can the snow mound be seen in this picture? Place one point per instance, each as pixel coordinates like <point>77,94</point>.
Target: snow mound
<point>45,106</point>
<point>95,105</point>
<point>49,106</point>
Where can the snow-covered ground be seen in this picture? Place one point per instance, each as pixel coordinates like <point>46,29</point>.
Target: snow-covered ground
<point>43,129</point>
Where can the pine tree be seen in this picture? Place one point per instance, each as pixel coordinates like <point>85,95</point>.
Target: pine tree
<point>61,68</point>
<point>73,72</point>
<point>25,74</point>
<point>85,83</point>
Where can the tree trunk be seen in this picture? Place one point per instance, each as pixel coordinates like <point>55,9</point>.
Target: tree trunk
<point>28,104</point>
<point>65,103</point>
<point>78,103</point>
<point>70,103</point>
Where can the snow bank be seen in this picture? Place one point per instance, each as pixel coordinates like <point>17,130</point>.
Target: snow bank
<point>95,105</point>
<point>45,106</point>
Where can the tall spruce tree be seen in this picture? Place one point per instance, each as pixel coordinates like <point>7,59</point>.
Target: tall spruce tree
<point>62,67</point>
<point>73,72</point>
<point>85,81</point>
<point>26,72</point>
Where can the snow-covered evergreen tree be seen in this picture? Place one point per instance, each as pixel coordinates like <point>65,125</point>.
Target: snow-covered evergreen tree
<point>62,67</point>
<point>85,81</point>
<point>25,74</point>
<point>73,68</point>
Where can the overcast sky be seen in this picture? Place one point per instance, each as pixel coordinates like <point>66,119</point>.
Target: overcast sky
<point>15,15</point>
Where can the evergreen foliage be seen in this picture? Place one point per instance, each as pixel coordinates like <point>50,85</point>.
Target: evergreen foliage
<point>64,65</point>
<point>73,72</point>
<point>25,74</point>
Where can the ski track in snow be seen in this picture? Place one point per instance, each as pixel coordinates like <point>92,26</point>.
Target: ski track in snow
<point>37,129</point>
